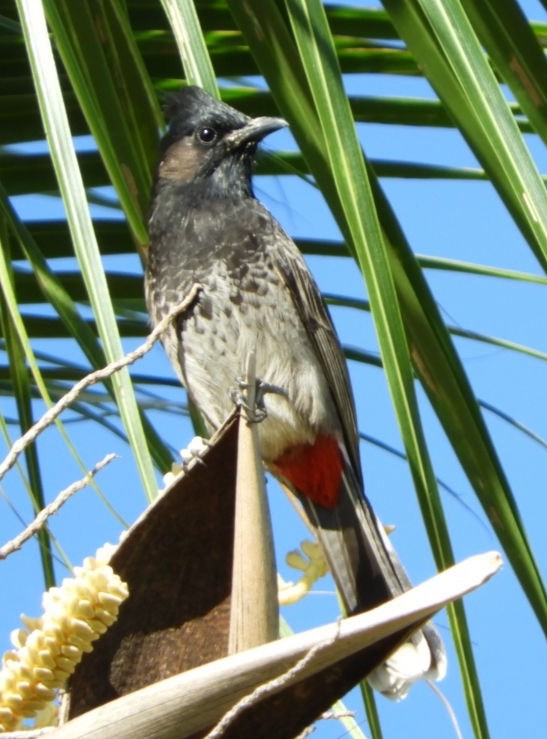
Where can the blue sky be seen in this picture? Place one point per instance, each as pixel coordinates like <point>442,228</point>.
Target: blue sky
<point>446,219</point>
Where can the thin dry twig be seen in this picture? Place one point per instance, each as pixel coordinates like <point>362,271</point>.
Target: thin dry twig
<point>449,709</point>
<point>337,715</point>
<point>53,507</point>
<point>265,689</point>
<point>327,716</point>
<point>102,374</point>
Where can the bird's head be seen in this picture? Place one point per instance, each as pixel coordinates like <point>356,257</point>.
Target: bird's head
<point>210,142</point>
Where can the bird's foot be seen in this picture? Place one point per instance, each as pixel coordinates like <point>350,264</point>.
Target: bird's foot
<point>240,396</point>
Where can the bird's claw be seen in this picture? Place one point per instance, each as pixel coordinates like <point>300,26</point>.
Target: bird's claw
<point>239,397</point>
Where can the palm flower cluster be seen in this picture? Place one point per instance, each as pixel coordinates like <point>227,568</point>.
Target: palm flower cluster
<point>311,562</point>
<point>48,649</point>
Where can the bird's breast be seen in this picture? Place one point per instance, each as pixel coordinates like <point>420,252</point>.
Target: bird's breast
<point>244,307</point>
<point>231,321</point>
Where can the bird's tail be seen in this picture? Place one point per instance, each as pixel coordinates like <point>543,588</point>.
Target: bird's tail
<point>367,572</point>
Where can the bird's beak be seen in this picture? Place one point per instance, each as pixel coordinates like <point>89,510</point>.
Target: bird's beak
<point>254,131</point>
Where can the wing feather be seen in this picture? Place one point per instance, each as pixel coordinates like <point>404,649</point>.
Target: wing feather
<point>315,317</point>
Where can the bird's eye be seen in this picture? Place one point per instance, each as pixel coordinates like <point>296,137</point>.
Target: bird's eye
<point>207,135</point>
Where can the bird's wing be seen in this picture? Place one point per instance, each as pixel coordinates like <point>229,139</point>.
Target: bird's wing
<point>315,317</point>
<point>370,572</point>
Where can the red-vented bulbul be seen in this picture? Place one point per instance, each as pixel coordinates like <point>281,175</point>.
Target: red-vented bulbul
<point>258,295</point>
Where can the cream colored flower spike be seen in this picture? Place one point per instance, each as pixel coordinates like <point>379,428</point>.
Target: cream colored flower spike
<point>49,648</point>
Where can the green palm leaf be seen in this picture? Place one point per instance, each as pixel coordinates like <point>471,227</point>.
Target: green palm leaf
<point>76,279</point>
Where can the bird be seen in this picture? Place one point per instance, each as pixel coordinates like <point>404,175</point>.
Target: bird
<point>257,295</point>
